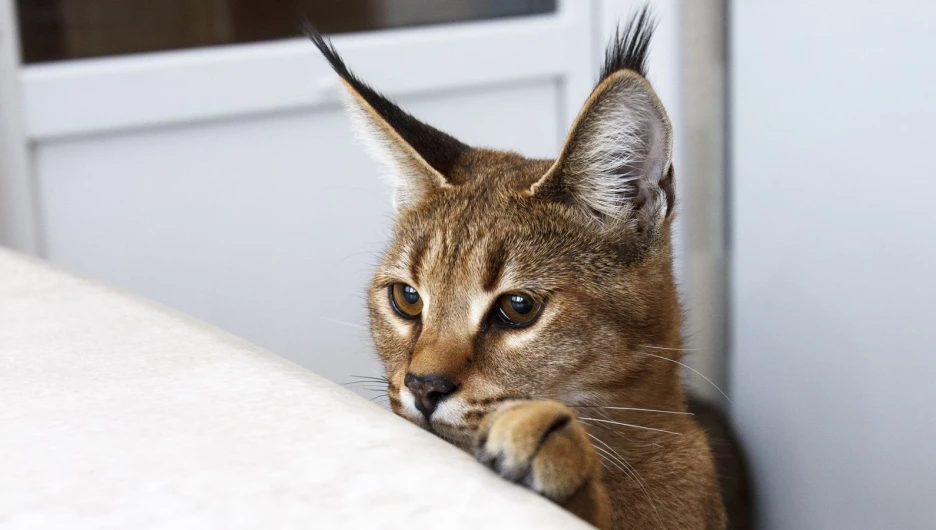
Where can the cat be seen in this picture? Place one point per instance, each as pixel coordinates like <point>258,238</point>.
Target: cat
<point>526,311</point>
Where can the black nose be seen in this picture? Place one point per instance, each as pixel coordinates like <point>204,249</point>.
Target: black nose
<point>429,390</point>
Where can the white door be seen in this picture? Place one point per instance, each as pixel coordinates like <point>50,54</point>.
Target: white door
<point>224,181</point>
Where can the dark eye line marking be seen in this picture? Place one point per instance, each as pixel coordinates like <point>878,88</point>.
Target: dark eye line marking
<point>416,255</point>
<point>494,266</point>
<point>455,254</point>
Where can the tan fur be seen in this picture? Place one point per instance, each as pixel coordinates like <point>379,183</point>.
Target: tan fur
<point>585,405</point>
<point>607,302</point>
<point>561,466</point>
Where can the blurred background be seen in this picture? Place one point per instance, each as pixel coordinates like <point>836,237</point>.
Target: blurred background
<point>195,152</point>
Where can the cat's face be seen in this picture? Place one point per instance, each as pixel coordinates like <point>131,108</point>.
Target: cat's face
<point>516,278</point>
<point>499,294</point>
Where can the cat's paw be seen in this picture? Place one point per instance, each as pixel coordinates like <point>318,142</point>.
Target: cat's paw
<point>541,445</point>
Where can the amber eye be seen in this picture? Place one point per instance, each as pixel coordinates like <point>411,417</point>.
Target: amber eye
<point>518,310</point>
<point>405,300</point>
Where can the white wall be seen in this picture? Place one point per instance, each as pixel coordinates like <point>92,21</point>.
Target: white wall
<point>834,256</point>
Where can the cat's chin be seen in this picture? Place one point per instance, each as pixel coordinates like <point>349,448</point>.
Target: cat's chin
<point>463,439</point>
<point>461,436</point>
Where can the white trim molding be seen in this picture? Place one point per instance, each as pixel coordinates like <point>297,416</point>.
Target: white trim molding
<point>18,216</point>
<point>686,68</point>
<point>91,96</point>
<point>704,192</point>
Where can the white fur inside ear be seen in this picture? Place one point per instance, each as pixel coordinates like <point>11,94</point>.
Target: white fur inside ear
<point>411,177</point>
<point>619,152</point>
<point>376,142</point>
<point>613,142</point>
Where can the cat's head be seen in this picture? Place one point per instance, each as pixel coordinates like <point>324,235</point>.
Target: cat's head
<point>510,277</point>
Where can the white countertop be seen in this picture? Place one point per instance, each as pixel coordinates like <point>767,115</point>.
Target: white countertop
<point>118,413</point>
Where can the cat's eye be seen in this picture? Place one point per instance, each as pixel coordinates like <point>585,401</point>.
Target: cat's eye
<point>517,310</point>
<point>405,300</point>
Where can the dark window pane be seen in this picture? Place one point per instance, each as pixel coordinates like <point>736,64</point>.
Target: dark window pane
<point>65,29</point>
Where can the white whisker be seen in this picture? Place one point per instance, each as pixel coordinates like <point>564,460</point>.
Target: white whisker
<point>343,323</point>
<point>636,409</point>
<point>618,432</point>
<point>668,349</point>
<point>611,458</point>
<point>609,448</point>
<point>604,465</point>
<point>628,470</point>
<point>689,367</point>
<point>631,425</point>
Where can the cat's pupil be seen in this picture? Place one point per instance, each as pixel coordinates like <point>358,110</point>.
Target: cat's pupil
<point>521,304</point>
<point>410,295</point>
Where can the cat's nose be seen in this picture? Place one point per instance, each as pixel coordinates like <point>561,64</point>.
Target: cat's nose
<point>429,390</point>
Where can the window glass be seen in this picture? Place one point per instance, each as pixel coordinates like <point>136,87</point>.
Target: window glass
<point>53,30</point>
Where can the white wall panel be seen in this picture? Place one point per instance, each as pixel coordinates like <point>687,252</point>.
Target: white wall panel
<point>266,227</point>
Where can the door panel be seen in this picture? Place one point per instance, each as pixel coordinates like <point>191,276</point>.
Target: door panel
<point>225,181</point>
<point>269,227</point>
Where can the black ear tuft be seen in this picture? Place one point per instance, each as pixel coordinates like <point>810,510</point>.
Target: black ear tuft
<point>325,46</point>
<point>628,50</point>
<point>616,163</point>
<point>437,148</point>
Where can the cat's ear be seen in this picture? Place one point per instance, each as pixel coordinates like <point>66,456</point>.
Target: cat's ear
<point>417,156</point>
<point>616,163</point>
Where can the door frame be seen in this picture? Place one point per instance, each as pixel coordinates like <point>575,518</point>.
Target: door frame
<point>19,219</point>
